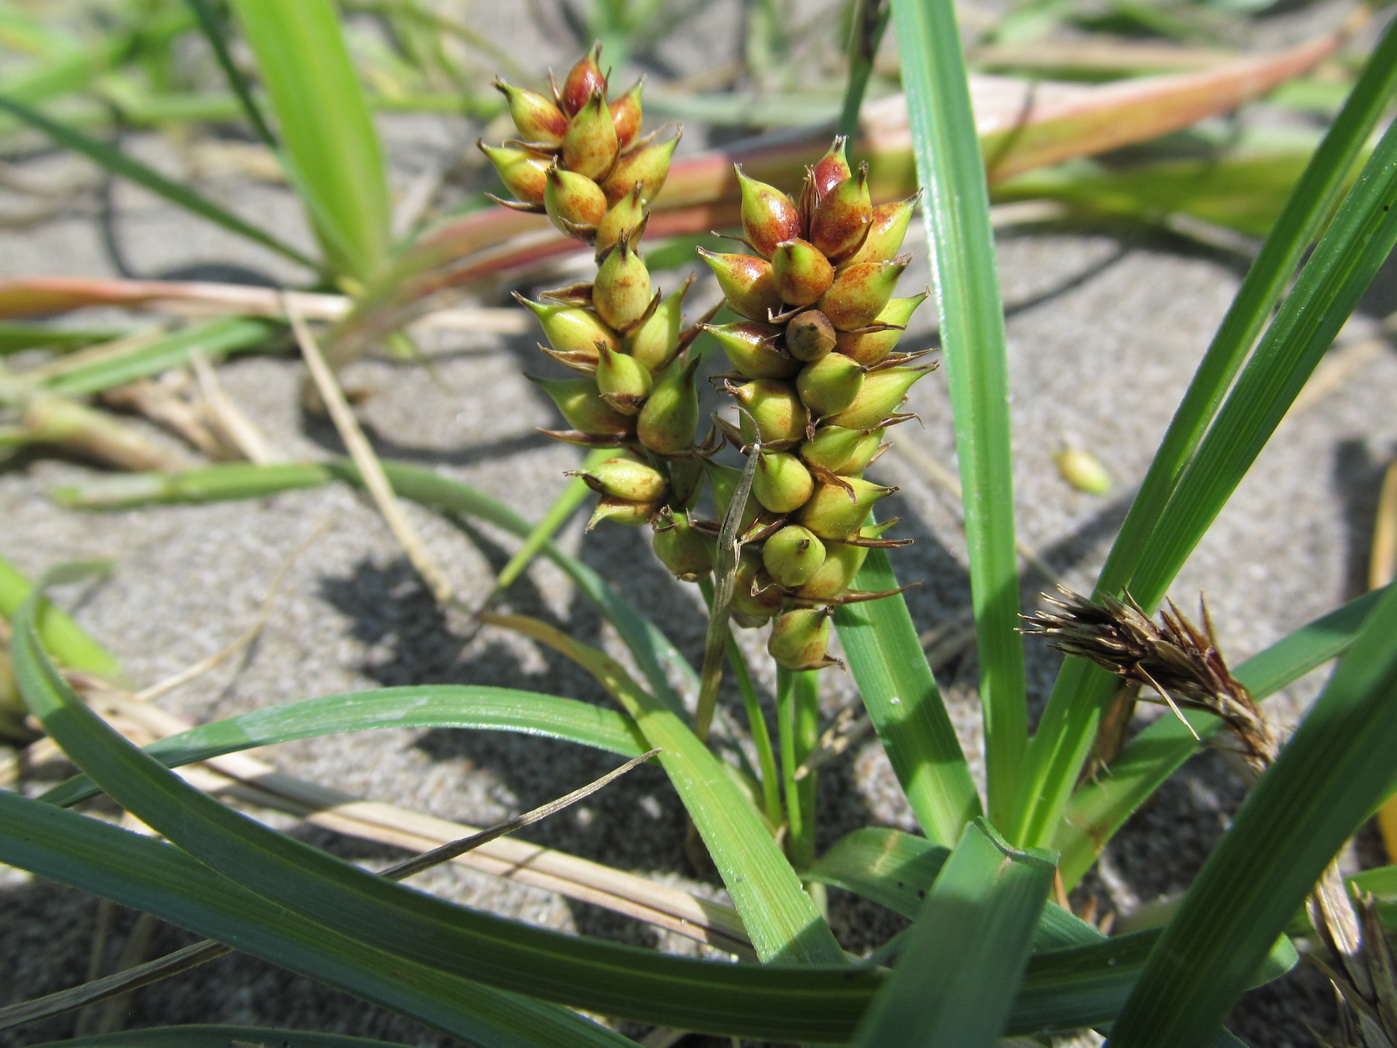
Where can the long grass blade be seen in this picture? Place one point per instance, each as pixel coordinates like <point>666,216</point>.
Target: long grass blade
<point>219,1037</point>
<point>965,278</point>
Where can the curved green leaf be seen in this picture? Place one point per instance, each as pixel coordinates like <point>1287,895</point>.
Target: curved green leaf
<point>219,1037</point>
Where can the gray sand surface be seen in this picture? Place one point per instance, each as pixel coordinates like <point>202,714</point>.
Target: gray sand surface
<point>1105,330</point>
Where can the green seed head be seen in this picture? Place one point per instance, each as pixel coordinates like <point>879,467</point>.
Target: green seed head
<point>624,477</point>
<point>835,573</point>
<point>873,345</point>
<point>747,284</point>
<point>623,381</point>
<point>572,330</point>
<point>622,511</point>
<point>801,271</point>
<point>523,173</point>
<point>589,145</point>
<point>687,552</point>
<point>582,406</point>
<point>752,348</point>
<point>769,217</point>
<point>538,120</point>
<point>792,556</point>
<point>626,216</point>
<point>831,447</point>
<point>776,409</point>
<point>886,232</point>
<point>655,341</point>
<point>574,202</point>
<point>810,335</point>
<point>626,115</point>
<point>882,393</point>
<point>755,598</point>
<point>830,384</point>
<point>667,421</point>
<point>842,218</point>
<point>646,165</point>
<point>781,483</point>
<point>859,293</point>
<point>621,294</point>
<point>724,480</point>
<point>800,639</point>
<point>837,510</point>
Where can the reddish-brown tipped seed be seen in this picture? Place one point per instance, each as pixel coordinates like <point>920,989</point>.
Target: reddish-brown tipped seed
<point>622,293</point>
<point>775,408</point>
<point>574,202</point>
<point>769,217</point>
<point>781,483</point>
<point>792,556</point>
<point>829,171</point>
<point>655,341</point>
<point>800,640</point>
<point>871,347</point>
<point>622,381</point>
<point>582,406</point>
<point>667,421</point>
<point>685,551</point>
<point>570,329</point>
<point>810,335</point>
<point>537,119</point>
<point>881,394</point>
<point>523,173</point>
<point>589,145</point>
<point>830,384</point>
<point>584,80</point>
<point>837,510</point>
<point>886,231</point>
<point>647,165</point>
<point>802,272</point>
<point>747,284</point>
<point>835,573</point>
<point>842,218</point>
<point>860,292</point>
<point>752,348</point>
<point>626,113</point>
<point>624,477</point>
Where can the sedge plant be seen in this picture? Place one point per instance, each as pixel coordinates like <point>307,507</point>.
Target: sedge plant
<point>815,381</point>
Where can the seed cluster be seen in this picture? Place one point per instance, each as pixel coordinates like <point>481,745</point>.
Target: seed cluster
<point>817,384</point>
<point>815,377</point>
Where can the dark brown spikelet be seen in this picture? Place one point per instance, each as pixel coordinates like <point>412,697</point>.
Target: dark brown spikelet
<point>1173,657</point>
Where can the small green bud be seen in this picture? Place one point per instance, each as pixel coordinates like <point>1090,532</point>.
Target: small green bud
<point>626,114</point>
<point>869,447</point>
<point>751,346</point>
<point>801,271</point>
<point>622,511</point>
<point>831,447</point>
<point>523,173</point>
<point>859,293</point>
<point>621,294</point>
<point>687,552</point>
<point>574,202</point>
<point>810,335</point>
<point>873,345</point>
<point>655,341</point>
<point>800,640</point>
<point>589,145</point>
<point>626,216</point>
<point>582,406</point>
<point>623,381</point>
<point>781,483</point>
<point>584,80</point>
<point>837,510</point>
<point>882,393</point>
<point>768,215</point>
<point>776,409</point>
<point>624,477</point>
<point>830,384</point>
<point>747,284</point>
<point>538,120</point>
<point>792,556</point>
<point>1083,471</point>
<point>572,330</point>
<point>755,598</point>
<point>667,421</point>
<point>886,232</point>
<point>647,165</point>
<point>841,219</point>
<point>835,573</point>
